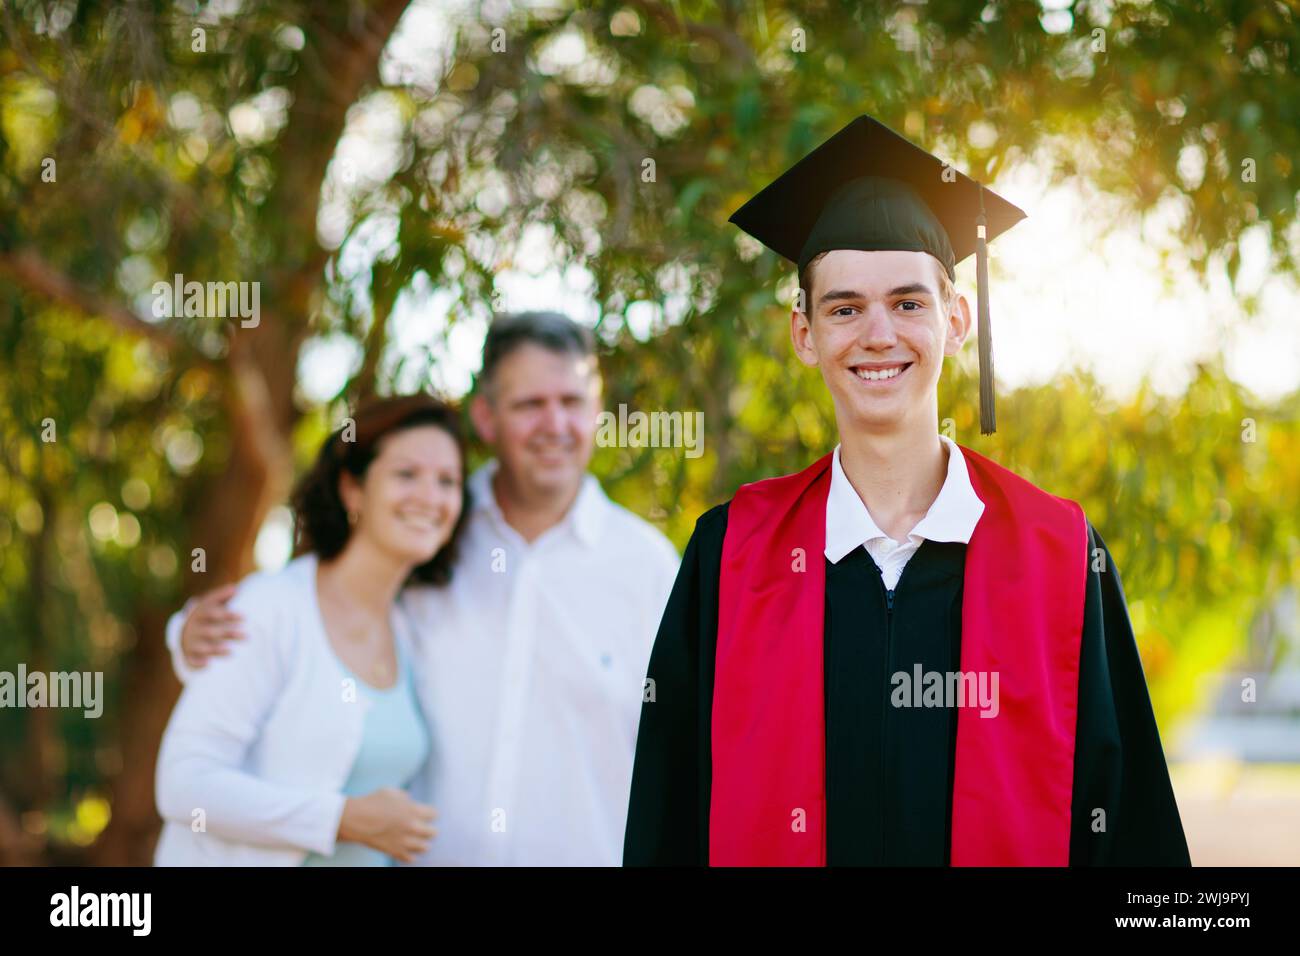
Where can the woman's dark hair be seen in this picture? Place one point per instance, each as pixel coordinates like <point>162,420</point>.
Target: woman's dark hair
<point>320,518</point>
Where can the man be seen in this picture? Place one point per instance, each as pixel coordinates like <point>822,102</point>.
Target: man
<point>534,656</point>
<point>905,654</point>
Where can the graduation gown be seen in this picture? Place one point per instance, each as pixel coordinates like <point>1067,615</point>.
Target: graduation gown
<point>889,770</point>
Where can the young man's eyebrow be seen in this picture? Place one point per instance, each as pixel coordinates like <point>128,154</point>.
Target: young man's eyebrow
<point>911,289</point>
<point>837,295</point>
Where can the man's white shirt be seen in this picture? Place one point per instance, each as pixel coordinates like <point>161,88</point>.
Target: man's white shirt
<point>534,660</point>
<point>952,517</point>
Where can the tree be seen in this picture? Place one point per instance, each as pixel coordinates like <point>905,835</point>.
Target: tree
<point>187,141</point>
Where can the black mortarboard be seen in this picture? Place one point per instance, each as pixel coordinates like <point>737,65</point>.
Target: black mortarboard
<point>869,188</point>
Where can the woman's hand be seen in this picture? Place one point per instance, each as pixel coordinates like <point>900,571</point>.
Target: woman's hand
<point>389,821</point>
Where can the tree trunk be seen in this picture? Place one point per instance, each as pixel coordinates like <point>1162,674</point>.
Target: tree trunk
<point>349,40</point>
<point>226,530</point>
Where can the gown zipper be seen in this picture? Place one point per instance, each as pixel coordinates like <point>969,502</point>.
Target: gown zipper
<point>884,706</point>
<point>884,713</point>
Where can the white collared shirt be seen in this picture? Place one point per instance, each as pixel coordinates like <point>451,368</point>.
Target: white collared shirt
<point>533,664</point>
<point>849,525</point>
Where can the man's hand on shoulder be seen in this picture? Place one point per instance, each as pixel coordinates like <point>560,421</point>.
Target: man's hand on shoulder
<point>209,626</point>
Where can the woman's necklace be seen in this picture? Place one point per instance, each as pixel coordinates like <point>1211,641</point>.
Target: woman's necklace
<point>382,670</point>
<point>379,670</point>
<point>355,634</point>
<point>361,644</point>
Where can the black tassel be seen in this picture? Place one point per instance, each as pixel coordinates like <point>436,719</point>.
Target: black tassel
<point>988,414</point>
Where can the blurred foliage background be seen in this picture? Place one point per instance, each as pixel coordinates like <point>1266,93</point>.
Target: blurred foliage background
<point>221,163</point>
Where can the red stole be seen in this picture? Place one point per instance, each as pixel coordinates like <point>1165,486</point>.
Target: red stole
<point>1022,616</point>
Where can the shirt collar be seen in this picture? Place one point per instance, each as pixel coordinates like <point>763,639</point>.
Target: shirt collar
<point>584,519</point>
<point>952,517</point>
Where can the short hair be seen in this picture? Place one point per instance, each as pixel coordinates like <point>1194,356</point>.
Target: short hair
<point>947,291</point>
<point>320,517</point>
<point>552,331</point>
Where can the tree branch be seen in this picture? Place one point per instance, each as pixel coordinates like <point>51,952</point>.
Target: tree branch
<point>724,37</point>
<point>33,272</point>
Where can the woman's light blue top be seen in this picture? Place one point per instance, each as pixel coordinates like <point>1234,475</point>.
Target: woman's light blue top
<point>394,745</point>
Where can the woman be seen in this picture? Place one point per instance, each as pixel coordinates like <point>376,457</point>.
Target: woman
<point>294,748</point>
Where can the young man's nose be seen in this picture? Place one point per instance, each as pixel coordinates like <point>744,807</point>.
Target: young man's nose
<point>877,330</point>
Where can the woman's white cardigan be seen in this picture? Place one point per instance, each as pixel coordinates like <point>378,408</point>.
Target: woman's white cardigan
<point>254,759</point>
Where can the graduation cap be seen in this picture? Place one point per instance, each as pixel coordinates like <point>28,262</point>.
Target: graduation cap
<point>869,188</point>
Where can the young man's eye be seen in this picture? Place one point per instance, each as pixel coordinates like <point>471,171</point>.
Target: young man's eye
<point>844,310</point>
<point>912,302</point>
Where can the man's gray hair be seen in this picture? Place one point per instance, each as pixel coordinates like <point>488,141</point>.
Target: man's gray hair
<point>552,331</point>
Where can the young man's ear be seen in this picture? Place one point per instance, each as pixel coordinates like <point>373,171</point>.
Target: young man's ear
<point>481,415</point>
<point>801,337</point>
<point>958,325</point>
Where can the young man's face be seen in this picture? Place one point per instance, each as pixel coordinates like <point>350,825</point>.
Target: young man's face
<point>539,415</point>
<point>877,329</point>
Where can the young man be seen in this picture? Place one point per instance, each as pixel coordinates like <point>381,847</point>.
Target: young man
<point>532,658</point>
<point>905,654</point>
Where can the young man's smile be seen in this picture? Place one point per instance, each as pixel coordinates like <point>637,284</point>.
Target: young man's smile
<point>880,372</point>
